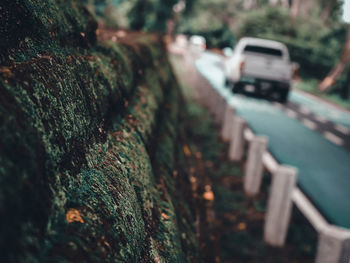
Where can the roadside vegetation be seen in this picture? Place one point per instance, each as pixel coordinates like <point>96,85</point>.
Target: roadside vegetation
<point>310,85</point>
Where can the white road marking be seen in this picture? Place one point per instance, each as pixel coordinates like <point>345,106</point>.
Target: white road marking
<point>333,138</point>
<point>342,129</point>
<point>310,124</point>
<point>304,110</point>
<point>321,119</point>
<point>291,113</point>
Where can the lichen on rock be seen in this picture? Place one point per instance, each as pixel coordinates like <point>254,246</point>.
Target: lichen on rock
<point>88,142</point>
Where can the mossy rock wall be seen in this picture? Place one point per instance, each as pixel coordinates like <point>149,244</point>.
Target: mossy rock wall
<point>87,143</point>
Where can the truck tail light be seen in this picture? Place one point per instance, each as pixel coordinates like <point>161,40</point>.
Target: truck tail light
<point>295,70</point>
<point>241,66</point>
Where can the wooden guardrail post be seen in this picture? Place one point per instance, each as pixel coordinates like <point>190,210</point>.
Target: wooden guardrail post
<point>254,166</point>
<point>227,122</point>
<point>279,205</point>
<point>333,245</point>
<point>237,141</point>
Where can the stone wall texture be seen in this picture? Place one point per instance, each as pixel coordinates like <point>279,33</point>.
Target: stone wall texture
<point>87,142</point>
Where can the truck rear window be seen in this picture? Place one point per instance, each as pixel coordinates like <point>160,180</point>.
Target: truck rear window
<point>263,50</point>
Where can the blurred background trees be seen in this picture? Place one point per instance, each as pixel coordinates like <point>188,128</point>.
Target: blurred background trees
<point>148,15</point>
<point>312,30</point>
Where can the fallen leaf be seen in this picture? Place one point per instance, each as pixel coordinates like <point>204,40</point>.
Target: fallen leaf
<point>73,215</point>
<point>208,195</point>
<point>242,226</point>
<point>6,72</point>
<point>187,150</point>
<point>165,216</point>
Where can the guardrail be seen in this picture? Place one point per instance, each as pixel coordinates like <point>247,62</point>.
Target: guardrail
<point>333,241</point>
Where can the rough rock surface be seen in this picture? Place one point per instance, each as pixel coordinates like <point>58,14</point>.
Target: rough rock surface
<point>87,143</point>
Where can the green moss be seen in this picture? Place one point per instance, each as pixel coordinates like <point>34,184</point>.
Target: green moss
<point>90,127</point>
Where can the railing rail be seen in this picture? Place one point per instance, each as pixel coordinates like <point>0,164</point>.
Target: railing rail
<point>333,242</point>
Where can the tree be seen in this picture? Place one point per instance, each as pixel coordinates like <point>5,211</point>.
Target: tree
<point>249,4</point>
<point>153,15</point>
<point>294,12</point>
<point>327,10</point>
<point>138,14</point>
<point>163,12</point>
<point>337,71</point>
<point>284,3</point>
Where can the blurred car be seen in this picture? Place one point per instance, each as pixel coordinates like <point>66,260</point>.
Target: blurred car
<point>197,43</point>
<point>227,52</point>
<point>261,67</point>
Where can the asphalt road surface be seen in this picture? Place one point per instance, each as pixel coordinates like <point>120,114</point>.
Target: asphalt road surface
<point>306,133</point>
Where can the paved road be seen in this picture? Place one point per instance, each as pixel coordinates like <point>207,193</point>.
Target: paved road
<point>307,134</point>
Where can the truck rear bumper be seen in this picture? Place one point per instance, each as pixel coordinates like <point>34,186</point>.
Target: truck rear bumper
<point>262,86</point>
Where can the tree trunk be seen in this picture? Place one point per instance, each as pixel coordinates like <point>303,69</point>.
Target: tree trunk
<point>294,12</point>
<point>332,77</point>
<point>285,3</point>
<point>346,51</point>
<point>307,7</point>
<point>326,11</point>
<point>336,72</point>
<point>250,4</point>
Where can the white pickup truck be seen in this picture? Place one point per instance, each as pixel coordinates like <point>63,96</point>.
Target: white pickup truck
<point>261,67</point>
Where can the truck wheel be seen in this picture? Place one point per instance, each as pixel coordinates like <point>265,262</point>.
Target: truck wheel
<point>236,87</point>
<point>227,83</point>
<point>284,96</point>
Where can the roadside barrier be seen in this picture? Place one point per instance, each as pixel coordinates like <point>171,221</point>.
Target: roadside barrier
<point>333,241</point>
<point>255,166</point>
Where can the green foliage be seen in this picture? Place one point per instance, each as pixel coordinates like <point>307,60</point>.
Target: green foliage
<point>210,19</point>
<point>339,94</point>
<point>315,44</point>
<point>43,26</point>
<point>190,5</point>
<point>148,15</point>
<point>151,15</point>
<point>163,11</point>
<point>209,15</point>
<point>316,52</point>
<point>139,14</point>
<point>215,38</point>
<point>269,20</point>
